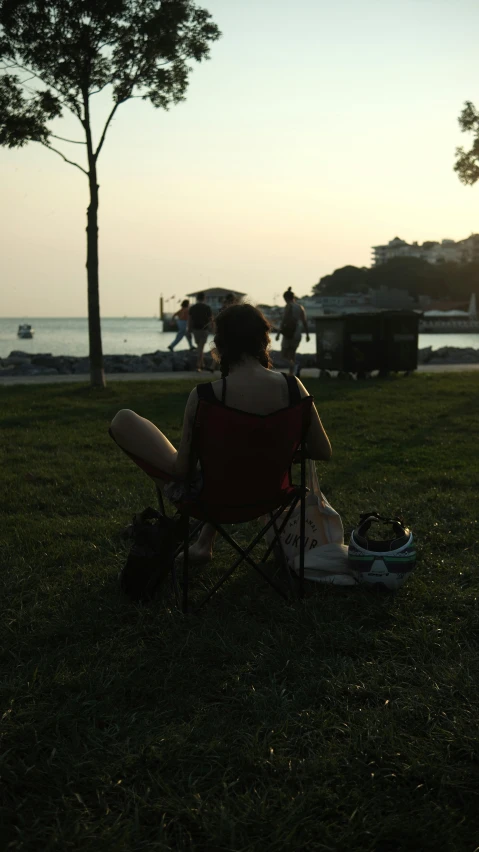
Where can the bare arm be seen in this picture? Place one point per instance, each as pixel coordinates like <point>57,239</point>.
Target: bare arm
<point>304,321</point>
<point>283,318</point>
<point>317,441</point>
<point>183,459</point>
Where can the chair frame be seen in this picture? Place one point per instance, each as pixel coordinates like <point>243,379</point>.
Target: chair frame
<point>298,495</point>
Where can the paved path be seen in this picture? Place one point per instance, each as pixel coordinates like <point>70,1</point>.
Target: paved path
<point>160,377</point>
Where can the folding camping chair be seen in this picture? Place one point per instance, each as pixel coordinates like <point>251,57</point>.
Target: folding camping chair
<point>245,461</point>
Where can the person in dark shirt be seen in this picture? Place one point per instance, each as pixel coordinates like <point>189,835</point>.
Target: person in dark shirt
<point>199,320</point>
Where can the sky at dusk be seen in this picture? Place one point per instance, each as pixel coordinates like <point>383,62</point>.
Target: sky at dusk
<point>315,131</point>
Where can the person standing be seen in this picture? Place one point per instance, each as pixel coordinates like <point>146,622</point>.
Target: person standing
<point>181,317</point>
<point>229,300</point>
<point>199,321</point>
<point>293,317</point>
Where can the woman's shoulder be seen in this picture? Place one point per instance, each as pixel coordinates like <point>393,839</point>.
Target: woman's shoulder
<point>302,390</point>
<point>206,390</point>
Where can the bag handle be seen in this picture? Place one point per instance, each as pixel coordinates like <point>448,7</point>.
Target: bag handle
<point>368,518</point>
<point>312,481</point>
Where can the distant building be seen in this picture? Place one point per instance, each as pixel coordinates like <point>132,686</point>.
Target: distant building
<point>345,303</point>
<point>390,298</point>
<point>215,296</point>
<point>382,299</point>
<point>463,251</point>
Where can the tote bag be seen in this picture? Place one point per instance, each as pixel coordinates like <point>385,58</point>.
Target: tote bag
<point>326,556</point>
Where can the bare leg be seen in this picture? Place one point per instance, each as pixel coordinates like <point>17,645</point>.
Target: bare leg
<point>141,437</point>
<point>199,363</point>
<point>292,362</point>
<point>202,550</point>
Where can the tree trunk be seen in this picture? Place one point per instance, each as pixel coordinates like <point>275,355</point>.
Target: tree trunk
<point>97,375</point>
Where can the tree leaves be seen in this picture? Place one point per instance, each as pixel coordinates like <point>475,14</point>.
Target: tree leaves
<point>467,162</point>
<point>22,119</point>
<point>141,48</point>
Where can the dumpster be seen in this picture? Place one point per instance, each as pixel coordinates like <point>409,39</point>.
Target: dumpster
<point>330,342</point>
<point>348,342</point>
<point>360,343</point>
<point>399,335</point>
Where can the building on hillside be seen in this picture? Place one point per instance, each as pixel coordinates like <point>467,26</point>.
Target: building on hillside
<point>463,251</point>
<point>382,299</point>
<point>345,303</point>
<point>390,298</point>
<point>469,249</point>
<point>215,297</point>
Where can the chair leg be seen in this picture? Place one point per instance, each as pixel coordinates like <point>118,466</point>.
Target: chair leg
<point>302,526</point>
<point>284,561</point>
<point>285,520</point>
<point>180,549</point>
<point>243,557</point>
<point>186,558</point>
<point>160,500</point>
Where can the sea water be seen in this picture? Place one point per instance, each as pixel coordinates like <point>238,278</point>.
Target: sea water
<point>137,336</point>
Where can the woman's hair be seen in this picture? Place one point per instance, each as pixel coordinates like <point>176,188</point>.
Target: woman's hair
<point>185,303</point>
<point>288,295</point>
<point>241,331</point>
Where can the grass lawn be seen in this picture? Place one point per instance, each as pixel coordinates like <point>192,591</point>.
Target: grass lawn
<point>347,721</point>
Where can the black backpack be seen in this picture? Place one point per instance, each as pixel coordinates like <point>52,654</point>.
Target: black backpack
<point>289,323</point>
<point>155,539</point>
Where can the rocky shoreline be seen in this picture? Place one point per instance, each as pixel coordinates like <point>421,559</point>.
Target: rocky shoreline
<point>20,363</point>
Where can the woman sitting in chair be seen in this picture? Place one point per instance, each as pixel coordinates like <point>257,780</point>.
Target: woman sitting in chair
<point>248,384</point>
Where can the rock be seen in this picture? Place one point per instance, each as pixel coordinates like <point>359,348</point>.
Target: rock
<point>81,365</point>
<point>156,356</point>
<point>454,355</point>
<point>147,364</point>
<point>184,364</point>
<point>424,355</point>
<point>48,361</point>
<point>27,370</point>
<point>16,360</point>
<point>185,360</point>
<point>118,368</point>
<point>44,363</point>
<point>17,353</point>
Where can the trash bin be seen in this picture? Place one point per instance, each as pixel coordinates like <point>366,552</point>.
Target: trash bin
<point>399,335</point>
<point>349,342</point>
<point>330,342</point>
<point>361,343</point>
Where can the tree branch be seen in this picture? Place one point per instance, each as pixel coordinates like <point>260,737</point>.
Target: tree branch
<point>62,100</point>
<point>108,83</point>
<point>73,141</point>
<point>51,148</point>
<point>107,124</point>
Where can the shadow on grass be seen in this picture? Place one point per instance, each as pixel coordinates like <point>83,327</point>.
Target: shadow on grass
<point>342,721</point>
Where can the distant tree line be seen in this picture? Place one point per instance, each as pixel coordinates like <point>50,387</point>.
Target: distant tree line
<point>452,281</point>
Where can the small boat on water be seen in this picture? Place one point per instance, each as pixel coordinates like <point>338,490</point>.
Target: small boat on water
<point>25,331</point>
